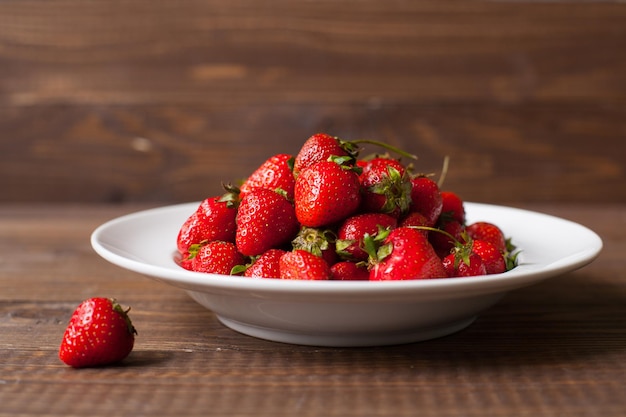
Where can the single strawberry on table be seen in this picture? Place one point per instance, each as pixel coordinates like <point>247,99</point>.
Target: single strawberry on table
<point>99,333</point>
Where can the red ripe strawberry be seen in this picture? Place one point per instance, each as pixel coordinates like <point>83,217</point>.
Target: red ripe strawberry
<point>265,220</point>
<point>406,254</point>
<point>386,187</point>
<point>349,271</point>
<point>214,219</point>
<point>303,265</point>
<point>191,232</point>
<point>378,166</point>
<point>452,206</point>
<point>488,232</point>
<point>275,173</point>
<point>320,147</point>
<point>426,198</point>
<point>216,257</point>
<point>493,259</point>
<point>352,231</point>
<point>186,260</point>
<point>470,266</point>
<point>266,265</point>
<point>326,193</point>
<point>99,333</point>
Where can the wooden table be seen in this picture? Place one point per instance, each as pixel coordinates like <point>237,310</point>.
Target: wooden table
<point>554,349</point>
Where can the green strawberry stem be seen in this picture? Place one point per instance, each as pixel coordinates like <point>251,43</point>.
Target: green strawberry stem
<point>386,146</point>
<point>374,247</point>
<point>434,229</point>
<point>124,313</point>
<point>231,195</point>
<point>347,163</point>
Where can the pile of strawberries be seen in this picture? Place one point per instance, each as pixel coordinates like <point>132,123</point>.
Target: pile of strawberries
<point>327,214</point>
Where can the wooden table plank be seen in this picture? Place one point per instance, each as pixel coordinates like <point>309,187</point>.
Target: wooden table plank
<point>557,348</point>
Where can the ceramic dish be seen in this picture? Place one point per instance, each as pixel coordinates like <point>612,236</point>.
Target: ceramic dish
<point>348,313</point>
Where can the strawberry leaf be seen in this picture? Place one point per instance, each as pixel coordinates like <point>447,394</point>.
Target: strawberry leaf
<point>341,245</point>
<point>384,251</point>
<point>238,269</point>
<point>193,249</point>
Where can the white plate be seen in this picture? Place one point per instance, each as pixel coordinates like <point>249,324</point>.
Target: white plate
<point>348,313</point>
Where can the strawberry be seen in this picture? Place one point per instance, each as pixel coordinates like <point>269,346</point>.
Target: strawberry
<point>275,173</point>
<point>470,265</point>
<point>320,242</point>
<point>352,231</point>
<point>494,260</point>
<point>488,232</point>
<point>349,271</point>
<point>386,186</point>
<point>426,198</point>
<point>405,254</point>
<point>266,265</point>
<point>325,193</point>
<point>320,147</point>
<point>303,265</point>
<point>415,219</point>
<point>265,219</point>
<point>99,333</point>
<point>214,219</point>
<point>452,206</point>
<point>216,257</point>
<point>185,261</point>
<point>378,165</point>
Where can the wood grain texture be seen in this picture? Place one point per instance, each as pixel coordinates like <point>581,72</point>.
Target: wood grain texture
<point>141,101</point>
<point>553,349</point>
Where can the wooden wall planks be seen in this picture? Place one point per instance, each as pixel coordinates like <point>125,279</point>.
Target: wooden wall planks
<point>116,101</point>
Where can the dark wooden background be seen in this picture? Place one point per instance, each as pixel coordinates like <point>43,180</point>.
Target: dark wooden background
<point>154,101</point>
